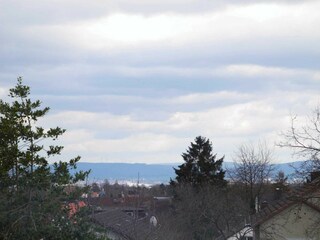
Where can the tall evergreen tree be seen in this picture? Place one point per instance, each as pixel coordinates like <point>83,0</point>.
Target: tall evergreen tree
<point>201,166</point>
<point>33,203</point>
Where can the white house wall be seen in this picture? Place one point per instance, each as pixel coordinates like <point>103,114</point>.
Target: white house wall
<point>293,223</point>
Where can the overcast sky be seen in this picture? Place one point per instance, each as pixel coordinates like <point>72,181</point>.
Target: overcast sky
<point>137,81</point>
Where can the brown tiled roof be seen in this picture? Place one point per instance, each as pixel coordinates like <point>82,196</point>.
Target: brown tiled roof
<point>270,210</point>
<point>297,196</point>
<point>126,226</point>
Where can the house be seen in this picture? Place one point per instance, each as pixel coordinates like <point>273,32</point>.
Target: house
<point>120,225</point>
<point>297,217</point>
<point>161,204</point>
<point>244,233</point>
<point>95,194</point>
<point>75,207</point>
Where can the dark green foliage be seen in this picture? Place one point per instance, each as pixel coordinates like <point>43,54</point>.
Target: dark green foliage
<point>199,180</point>
<point>33,202</point>
<point>201,166</point>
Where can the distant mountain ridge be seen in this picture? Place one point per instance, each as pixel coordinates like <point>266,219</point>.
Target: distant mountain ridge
<point>149,173</point>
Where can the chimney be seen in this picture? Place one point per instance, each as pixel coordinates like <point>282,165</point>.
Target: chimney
<point>257,208</point>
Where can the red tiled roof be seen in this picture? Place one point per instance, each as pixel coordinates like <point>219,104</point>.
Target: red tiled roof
<point>74,207</point>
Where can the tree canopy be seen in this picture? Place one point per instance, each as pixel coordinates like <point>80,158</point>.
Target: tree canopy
<point>33,200</point>
<point>201,166</point>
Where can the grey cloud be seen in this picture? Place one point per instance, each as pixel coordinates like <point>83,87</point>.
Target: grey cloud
<point>163,84</point>
<point>37,47</point>
<point>34,12</point>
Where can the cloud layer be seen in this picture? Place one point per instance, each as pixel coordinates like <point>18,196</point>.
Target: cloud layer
<point>136,82</point>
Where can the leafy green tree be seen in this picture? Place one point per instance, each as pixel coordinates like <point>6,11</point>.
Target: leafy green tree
<point>33,200</point>
<point>201,166</point>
